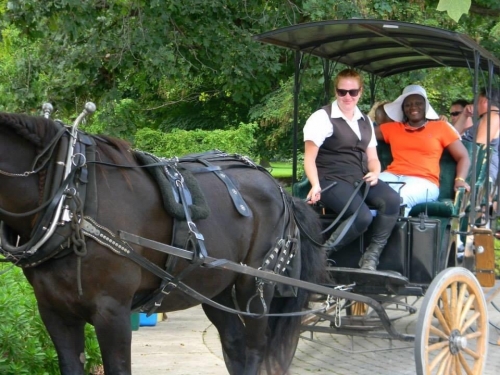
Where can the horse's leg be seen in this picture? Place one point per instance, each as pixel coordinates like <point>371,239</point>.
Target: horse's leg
<point>114,334</point>
<point>256,339</point>
<point>68,336</point>
<point>231,332</point>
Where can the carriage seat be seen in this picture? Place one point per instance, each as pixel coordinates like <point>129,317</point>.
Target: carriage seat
<point>448,204</point>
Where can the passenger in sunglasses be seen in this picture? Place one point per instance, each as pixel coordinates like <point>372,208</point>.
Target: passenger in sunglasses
<point>418,139</point>
<point>456,108</point>
<point>340,146</point>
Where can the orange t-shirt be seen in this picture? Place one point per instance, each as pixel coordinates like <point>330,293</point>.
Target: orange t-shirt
<point>417,153</point>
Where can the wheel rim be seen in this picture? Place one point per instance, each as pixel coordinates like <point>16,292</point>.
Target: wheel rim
<point>454,327</point>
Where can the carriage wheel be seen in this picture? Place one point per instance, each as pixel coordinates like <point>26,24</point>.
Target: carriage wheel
<point>452,328</point>
<point>358,308</point>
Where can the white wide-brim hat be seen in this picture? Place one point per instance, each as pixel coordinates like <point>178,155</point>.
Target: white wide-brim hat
<point>395,109</point>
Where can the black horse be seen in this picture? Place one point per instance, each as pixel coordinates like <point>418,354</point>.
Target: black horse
<point>77,280</point>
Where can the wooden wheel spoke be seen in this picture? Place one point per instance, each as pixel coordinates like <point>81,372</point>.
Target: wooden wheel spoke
<point>466,309</point>
<point>473,335</point>
<point>461,298</point>
<point>440,357</point>
<point>438,345</point>
<point>446,305</point>
<point>442,321</point>
<point>454,297</point>
<point>456,365</point>
<point>469,322</point>
<point>449,365</point>
<point>445,364</point>
<point>465,365</point>
<point>472,353</point>
<point>438,332</point>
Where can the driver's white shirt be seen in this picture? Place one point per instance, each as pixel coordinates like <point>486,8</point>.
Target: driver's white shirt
<point>318,126</point>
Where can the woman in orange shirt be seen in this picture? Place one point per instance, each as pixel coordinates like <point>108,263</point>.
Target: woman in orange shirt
<point>417,141</point>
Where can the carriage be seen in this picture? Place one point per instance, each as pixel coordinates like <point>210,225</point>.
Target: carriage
<point>434,248</point>
<point>101,230</point>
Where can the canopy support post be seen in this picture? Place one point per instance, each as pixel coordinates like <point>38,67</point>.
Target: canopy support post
<point>327,81</point>
<point>475,119</point>
<point>296,90</point>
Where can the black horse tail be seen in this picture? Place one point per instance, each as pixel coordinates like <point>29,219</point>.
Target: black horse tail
<point>283,334</point>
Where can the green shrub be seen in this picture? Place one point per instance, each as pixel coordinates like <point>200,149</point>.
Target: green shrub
<point>183,142</point>
<point>25,345</point>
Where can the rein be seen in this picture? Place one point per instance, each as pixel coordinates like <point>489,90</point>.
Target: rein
<point>348,222</point>
<point>48,149</point>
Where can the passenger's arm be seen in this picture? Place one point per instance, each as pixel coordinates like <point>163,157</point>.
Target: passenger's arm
<point>311,151</point>
<point>459,153</point>
<point>464,120</point>
<point>373,166</point>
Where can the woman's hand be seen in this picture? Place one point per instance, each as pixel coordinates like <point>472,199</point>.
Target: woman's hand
<point>371,178</point>
<point>461,183</point>
<point>314,194</point>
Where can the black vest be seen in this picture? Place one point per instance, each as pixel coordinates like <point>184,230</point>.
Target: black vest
<point>342,155</point>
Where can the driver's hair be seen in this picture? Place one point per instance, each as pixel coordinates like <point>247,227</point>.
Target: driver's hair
<point>348,73</point>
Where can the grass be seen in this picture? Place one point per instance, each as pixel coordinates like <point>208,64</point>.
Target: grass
<point>281,169</point>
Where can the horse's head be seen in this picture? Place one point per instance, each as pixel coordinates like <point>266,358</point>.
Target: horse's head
<point>22,139</point>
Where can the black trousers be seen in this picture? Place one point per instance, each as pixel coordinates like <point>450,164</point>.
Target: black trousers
<point>380,197</point>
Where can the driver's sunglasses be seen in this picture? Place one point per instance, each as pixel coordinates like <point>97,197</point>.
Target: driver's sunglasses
<point>455,113</point>
<point>352,93</point>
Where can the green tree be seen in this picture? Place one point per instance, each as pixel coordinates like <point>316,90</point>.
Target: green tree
<point>188,64</point>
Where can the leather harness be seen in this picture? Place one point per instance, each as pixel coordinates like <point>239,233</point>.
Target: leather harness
<point>71,203</point>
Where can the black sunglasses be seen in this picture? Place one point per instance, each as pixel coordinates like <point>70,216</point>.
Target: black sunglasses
<point>455,113</point>
<point>352,93</point>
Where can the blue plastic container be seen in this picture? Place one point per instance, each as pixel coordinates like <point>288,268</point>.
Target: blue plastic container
<point>144,321</point>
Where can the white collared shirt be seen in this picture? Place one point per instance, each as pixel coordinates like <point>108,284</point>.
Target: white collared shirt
<point>318,126</point>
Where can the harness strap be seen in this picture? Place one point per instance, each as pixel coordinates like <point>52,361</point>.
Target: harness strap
<point>106,238</point>
<point>196,239</point>
<point>239,203</point>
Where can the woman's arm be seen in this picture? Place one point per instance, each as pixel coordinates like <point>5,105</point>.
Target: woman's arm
<point>459,153</point>
<point>464,120</point>
<point>311,151</point>
<point>373,166</point>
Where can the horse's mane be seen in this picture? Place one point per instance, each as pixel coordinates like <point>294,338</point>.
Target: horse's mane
<point>107,144</point>
<point>36,129</point>
<point>40,131</point>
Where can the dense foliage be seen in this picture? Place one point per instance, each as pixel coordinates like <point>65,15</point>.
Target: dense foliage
<point>181,142</point>
<point>193,64</point>
<point>25,345</point>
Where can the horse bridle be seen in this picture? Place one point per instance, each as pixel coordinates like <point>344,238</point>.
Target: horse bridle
<point>57,200</point>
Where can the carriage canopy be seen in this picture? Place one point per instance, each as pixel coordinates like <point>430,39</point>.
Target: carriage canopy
<point>383,48</point>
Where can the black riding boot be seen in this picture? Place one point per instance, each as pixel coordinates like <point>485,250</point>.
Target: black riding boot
<point>382,228</point>
<point>350,235</point>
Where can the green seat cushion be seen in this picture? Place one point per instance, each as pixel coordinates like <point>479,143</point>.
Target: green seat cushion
<point>444,208</point>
